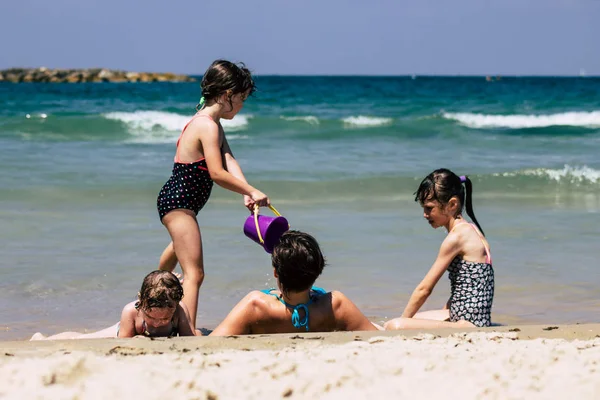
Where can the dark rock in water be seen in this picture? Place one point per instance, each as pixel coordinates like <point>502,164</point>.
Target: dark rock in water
<point>43,74</point>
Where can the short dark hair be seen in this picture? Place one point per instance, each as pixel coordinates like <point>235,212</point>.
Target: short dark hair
<point>298,261</point>
<point>223,75</point>
<point>160,289</point>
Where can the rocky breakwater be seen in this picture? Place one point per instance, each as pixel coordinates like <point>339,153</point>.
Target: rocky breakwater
<point>19,75</point>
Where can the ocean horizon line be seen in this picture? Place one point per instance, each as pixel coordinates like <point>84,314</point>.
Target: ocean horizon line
<point>326,75</point>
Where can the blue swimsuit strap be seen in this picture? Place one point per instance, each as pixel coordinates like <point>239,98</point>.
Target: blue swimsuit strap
<point>296,321</point>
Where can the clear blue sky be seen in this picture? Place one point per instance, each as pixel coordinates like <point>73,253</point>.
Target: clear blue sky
<point>372,37</point>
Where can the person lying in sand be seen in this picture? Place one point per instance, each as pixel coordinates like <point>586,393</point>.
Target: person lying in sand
<point>295,306</point>
<point>157,312</point>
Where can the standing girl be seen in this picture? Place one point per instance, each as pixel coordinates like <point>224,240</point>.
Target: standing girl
<point>202,157</point>
<point>465,253</point>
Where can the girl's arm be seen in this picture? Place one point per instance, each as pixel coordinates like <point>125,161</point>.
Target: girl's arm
<point>127,323</point>
<point>240,319</point>
<point>184,327</point>
<point>230,162</point>
<point>234,169</point>
<point>209,138</point>
<point>450,248</point>
<point>348,317</point>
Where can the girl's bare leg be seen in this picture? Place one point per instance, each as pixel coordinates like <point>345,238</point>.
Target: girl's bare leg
<point>187,243</point>
<point>110,332</point>
<point>168,259</point>
<point>379,327</point>
<point>414,323</point>
<point>436,315</point>
<point>58,336</point>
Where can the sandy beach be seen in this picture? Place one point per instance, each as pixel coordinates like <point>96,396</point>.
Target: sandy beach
<point>534,362</point>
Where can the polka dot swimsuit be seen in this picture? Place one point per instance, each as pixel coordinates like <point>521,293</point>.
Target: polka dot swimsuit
<point>472,290</point>
<point>188,187</point>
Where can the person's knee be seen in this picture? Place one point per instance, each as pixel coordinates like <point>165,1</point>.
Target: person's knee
<point>195,276</point>
<point>394,324</point>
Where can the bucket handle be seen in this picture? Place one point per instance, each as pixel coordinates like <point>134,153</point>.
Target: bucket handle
<point>256,207</point>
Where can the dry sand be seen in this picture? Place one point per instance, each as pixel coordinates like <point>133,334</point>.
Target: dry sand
<point>533,362</point>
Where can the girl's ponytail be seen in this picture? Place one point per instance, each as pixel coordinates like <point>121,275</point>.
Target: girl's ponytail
<point>469,201</point>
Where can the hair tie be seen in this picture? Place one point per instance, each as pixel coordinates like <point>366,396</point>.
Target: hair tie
<point>200,104</point>
<point>463,178</point>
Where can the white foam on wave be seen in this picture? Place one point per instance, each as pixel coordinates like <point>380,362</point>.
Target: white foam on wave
<point>589,119</point>
<point>234,137</point>
<point>362,120</point>
<point>239,122</point>
<point>570,174</point>
<point>165,127</point>
<point>307,118</point>
<point>148,120</point>
<point>42,116</point>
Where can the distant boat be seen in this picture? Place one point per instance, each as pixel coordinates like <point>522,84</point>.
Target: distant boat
<point>413,76</point>
<point>582,72</point>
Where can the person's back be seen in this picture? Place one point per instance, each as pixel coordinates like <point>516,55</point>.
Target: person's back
<point>296,306</point>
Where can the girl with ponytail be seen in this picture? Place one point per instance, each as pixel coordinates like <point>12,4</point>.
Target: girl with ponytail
<point>465,253</point>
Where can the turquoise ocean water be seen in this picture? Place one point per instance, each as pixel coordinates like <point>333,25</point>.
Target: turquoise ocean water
<point>340,157</point>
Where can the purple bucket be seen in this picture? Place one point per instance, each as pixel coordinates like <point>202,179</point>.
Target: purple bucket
<point>271,229</point>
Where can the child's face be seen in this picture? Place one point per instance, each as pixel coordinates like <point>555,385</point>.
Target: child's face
<point>237,102</point>
<point>434,213</point>
<point>158,317</point>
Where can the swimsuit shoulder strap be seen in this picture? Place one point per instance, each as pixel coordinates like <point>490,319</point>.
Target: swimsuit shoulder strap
<point>183,130</point>
<point>145,329</point>
<point>488,255</point>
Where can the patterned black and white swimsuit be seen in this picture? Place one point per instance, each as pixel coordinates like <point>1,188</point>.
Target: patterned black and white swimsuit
<point>188,187</point>
<point>472,289</point>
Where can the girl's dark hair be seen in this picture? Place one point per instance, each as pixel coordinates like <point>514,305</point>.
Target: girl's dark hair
<point>160,289</point>
<point>298,261</point>
<point>441,185</point>
<point>223,75</point>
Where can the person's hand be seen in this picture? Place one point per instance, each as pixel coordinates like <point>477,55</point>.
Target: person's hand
<point>178,276</point>
<point>249,203</point>
<point>260,198</point>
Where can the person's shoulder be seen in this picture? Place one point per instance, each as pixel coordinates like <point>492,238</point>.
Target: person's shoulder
<point>129,310</point>
<point>347,315</point>
<point>130,307</point>
<point>256,299</point>
<point>465,233</point>
<point>338,299</point>
<point>256,306</point>
<point>457,235</point>
<point>203,123</point>
<point>182,308</point>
